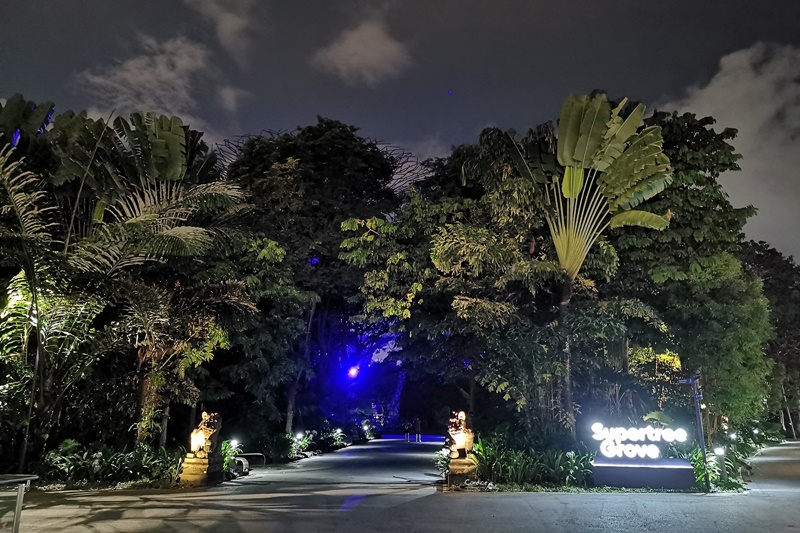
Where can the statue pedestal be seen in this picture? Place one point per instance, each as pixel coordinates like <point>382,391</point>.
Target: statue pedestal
<point>461,469</point>
<point>202,470</point>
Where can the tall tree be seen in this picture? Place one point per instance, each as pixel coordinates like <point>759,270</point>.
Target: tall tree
<point>610,167</point>
<point>689,274</point>
<point>94,220</point>
<point>780,276</point>
<point>470,262</point>
<point>303,186</point>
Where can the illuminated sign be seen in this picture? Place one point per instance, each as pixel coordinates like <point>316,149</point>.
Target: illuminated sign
<point>619,442</point>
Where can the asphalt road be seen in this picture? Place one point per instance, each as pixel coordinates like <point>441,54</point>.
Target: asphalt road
<point>391,486</point>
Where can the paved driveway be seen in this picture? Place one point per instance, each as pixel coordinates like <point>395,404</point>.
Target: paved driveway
<point>389,486</point>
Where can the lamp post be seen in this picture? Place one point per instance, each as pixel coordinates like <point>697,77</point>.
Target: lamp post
<point>692,380</point>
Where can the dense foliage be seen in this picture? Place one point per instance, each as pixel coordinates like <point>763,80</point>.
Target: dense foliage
<point>73,463</point>
<point>499,463</point>
<point>537,280</point>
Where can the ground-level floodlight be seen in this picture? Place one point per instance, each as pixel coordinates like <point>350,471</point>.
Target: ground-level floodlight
<point>692,381</point>
<point>299,436</point>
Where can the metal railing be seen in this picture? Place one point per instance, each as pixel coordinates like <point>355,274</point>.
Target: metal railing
<point>22,481</point>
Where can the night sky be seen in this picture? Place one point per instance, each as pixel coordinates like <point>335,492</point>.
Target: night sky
<point>427,74</point>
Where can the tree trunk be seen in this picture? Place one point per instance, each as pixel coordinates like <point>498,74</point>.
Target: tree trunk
<point>791,422</point>
<point>291,394</point>
<point>291,398</point>
<point>162,441</point>
<point>148,400</point>
<point>568,403</point>
<point>472,393</point>
<point>618,354</point>
<point>193,417</point>
<point>23,454</point>
<point>33,285</point>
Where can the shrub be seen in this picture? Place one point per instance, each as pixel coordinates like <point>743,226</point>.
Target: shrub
<point>73,462</point>
<point>300,444</point>
<point>500,464</point>
<point>441,461</point>
<point>331,439</point>
<point>739,443</point>
<point>229,451</point>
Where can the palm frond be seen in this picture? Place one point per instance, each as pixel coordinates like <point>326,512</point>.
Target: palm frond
<point>27,200</point>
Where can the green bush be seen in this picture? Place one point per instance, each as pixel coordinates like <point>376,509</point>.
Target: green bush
<point>740,444</point>
<point>228,452</point>
<point>299,444</point>
<point>73,462</point>
<point>441,461</point>
<point>332,439</point>
<point>499,464</point>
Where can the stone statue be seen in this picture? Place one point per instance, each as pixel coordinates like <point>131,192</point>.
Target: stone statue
<point>460,437</point>
<point>205,439</point>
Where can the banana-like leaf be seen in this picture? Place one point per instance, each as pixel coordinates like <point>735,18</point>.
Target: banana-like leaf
<point>635,164</point>
<point>99,210</point>
<point>642,191</point>
<point>617,135</point>
<point>28,117</point>
<point>631,124</point>
<point>569,128</point>
<point>638,218</point>
<point>573,182</point>
<point>593,129</point>
<point>168,138</point>
<point>521,165</point>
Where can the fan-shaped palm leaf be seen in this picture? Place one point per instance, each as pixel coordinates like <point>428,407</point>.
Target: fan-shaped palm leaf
<point>609,169</point>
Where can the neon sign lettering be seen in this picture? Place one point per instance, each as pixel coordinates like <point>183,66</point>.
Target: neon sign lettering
<point>618,442</point>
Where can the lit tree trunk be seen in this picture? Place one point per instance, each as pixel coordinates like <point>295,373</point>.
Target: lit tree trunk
<point>791,422</point>
<point>788,412</point>
<point>149,401</point>
<point>141,434</point>
<point>23,454</point>
<point>291,398</point>
<point>30,273</point>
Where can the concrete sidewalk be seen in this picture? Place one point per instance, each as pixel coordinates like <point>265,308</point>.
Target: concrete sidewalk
<point>776,470</point>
